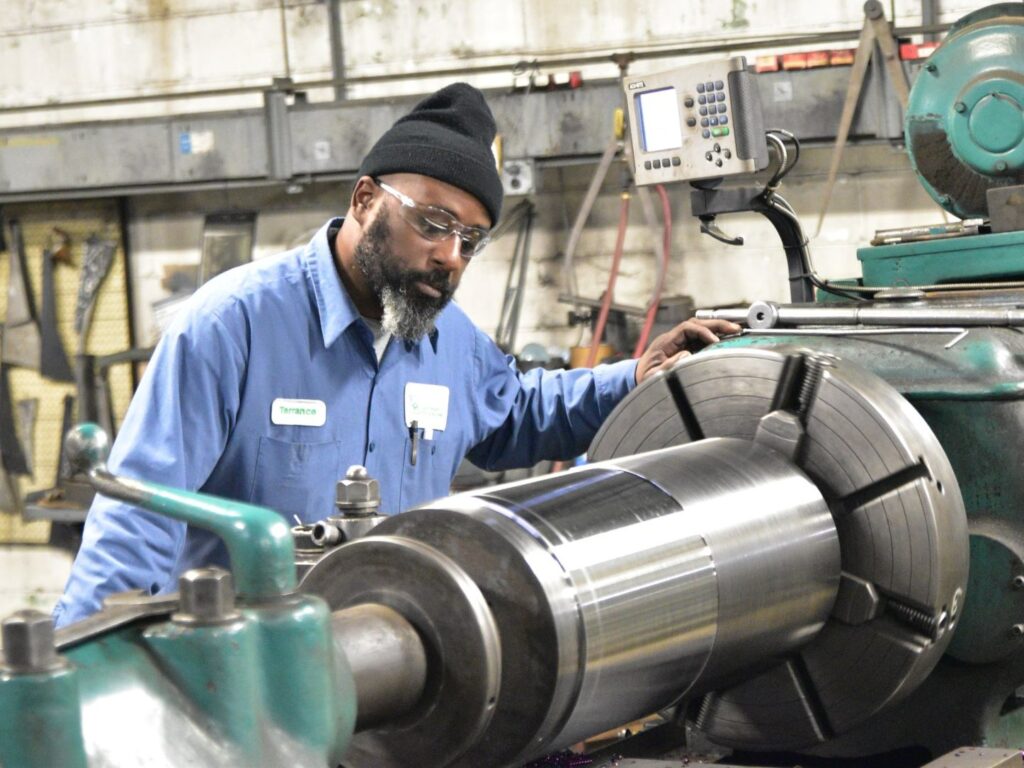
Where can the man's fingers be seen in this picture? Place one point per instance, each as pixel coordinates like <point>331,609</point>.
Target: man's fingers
<point>670,363</point>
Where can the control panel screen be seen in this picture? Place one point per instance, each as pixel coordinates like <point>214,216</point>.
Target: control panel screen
<point>658,113</point>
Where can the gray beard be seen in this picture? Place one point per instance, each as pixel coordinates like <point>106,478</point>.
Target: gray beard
<point>409,314</point>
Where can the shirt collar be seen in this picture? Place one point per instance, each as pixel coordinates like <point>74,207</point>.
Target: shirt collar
<point>336,309</point>
<point>334,305</point>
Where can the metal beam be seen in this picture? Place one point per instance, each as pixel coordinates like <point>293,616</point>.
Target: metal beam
<point>312,142</point>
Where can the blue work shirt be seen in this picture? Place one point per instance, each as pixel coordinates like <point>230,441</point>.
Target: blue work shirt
<point>285,327</point>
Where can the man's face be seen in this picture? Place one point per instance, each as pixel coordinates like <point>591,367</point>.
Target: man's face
<point>409,307</point>
<point>413,277</point>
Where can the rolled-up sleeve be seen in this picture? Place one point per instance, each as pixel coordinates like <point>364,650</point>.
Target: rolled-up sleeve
<point>173,434</point>
<point>541,414</point>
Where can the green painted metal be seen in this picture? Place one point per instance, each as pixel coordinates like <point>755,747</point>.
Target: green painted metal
<point>969,101</point>
<point>293,630</point>
<point>930,262</point>
<point>42,723</point>
<point>267,689</point>
<point>258,540</point>
<point>214,668</point>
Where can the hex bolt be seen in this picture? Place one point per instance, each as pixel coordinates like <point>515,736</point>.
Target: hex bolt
<point>1017,630</point>
<point>1001,166</point>
<point>960,107</point>
<point>207,597</point>
<point>931,69</point>
<point>1018,582</point>
<point>358,493</point>
<point>28,642</point>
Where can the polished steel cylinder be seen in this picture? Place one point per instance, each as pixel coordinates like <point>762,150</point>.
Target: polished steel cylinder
<point>621,587</point>
<point>387,659</point>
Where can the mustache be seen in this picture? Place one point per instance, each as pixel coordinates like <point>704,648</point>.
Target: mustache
<point>437,279</point>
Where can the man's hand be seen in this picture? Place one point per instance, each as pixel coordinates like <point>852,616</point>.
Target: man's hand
<point>689,336</point>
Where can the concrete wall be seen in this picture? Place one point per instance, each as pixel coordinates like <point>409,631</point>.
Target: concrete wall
<point>54,51</point>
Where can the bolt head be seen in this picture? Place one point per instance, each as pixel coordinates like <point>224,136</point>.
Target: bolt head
<point>931,68</point>
<point>960,107</point>
<point>1001,166</point>
<point>28,642</point>
<point>1017,630</point>
<point>207,597</point>
<point>358,489</point>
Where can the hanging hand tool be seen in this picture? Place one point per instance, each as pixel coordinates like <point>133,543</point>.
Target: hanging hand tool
<point>12,456</point>
<point>27,410</point>
<point>876,30</point>
<point>22,342</point>
<point>53,361</point>
<point>96,263</point>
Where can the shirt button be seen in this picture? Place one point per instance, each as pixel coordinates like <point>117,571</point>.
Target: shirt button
<point>372,446</point>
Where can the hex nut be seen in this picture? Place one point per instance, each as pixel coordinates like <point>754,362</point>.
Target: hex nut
<point>207,597</point>
<point>357,490</point>
<point>28,643</point>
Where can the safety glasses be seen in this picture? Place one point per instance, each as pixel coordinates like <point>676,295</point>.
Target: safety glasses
<point>436,224</point>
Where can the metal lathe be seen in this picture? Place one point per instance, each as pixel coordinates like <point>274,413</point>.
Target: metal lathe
<point>807,540</point>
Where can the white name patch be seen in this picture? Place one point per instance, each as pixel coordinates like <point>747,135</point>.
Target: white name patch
<point>301,413</point>
<point>427,405</point>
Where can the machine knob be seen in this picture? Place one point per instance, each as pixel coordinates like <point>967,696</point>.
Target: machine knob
<point>28,643</point>
<point>207,597</point>
<point>87,447</point>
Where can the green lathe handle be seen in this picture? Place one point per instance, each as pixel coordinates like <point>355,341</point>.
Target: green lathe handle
<point>259,541</point>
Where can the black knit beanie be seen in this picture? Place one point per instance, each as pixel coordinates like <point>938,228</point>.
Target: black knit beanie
<point>448,137</point>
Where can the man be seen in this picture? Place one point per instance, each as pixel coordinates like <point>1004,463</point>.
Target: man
<point>284,372</point>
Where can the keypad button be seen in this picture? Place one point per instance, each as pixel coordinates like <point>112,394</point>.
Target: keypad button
<point>688,102</point>
<point>700,87</point>
<point>691,121</point>
<point>702,99</point>
<point>716,132</point>
<point>657,163</point>
<point>718,162</point>
<point>723,120</point>
<point>717,147</point>
<point>703,110</point>
<point>708,156</point>
<point>676,161</point>
<point>722,109</point>
<point>704,122</point>
<point>647,164</point>
<point>714,121</point>
<point>720,96</point>
<point>719,85</point>
<point>725,131</point>
<point>706,133</point>
<point>709,86</point>
<point>727,154</point>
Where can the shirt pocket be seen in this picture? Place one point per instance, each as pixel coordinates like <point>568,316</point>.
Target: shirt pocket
<point>432,475</point>
<point>296,478</point>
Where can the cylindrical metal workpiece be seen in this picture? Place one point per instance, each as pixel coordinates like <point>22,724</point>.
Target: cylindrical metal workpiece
<point>387,659</point>
<point>621,587</point>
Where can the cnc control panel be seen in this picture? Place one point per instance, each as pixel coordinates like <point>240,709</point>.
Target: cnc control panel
<point>702,121</point>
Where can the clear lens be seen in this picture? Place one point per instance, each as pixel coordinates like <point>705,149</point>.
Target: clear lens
<point>435,224</point>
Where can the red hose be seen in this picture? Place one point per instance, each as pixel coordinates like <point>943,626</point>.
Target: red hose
<point>666,212</point>
<point>606,302</point>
